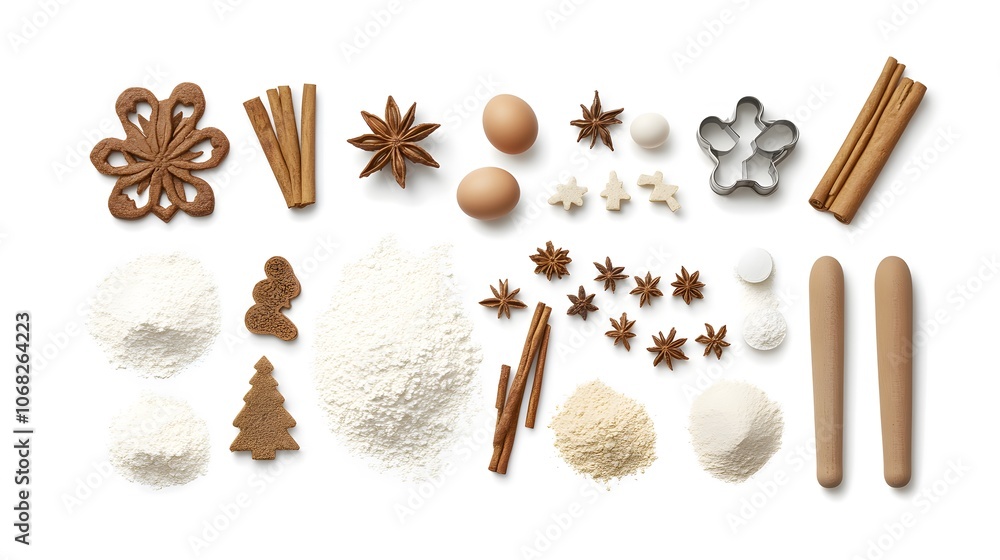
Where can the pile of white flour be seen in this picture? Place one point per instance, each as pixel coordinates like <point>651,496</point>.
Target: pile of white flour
<point>734,429</point>
<point>156,314</point>
<point>395,361</point>
<point>603,433</point>
<point>764,327</point>
<point>159,441</point>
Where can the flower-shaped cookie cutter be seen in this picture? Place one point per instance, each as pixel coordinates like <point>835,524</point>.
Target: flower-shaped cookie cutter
<point>159,154</point>
<point>773,142</point>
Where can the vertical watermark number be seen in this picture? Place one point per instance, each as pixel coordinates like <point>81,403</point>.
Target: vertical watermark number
<point>22,430</point>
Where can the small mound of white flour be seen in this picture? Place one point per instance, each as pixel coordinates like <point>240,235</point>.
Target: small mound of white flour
<point>735,429</point>
<point>159,441</point>
<point>156,314</point>
<point>764,329</point>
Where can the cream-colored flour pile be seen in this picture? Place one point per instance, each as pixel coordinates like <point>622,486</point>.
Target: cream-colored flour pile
<point>604,434</point>
<point>735,429</point>
<point>396,365</point>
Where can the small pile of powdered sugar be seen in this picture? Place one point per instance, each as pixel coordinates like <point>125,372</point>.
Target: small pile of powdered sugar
<point>395,361</point>
<point>156,314</point>
<point>159,441</point>
<point>764,327</point>
<point>734,429</point>
<point>604,434</point>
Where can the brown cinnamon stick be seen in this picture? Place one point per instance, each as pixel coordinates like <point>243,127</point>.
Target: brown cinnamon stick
<point>868,117</point>
<point>269,144</point>
<point>536,383</point>
<point>508,443</point>
<point>500,434</point>
<point>503,438</point>
<point>502,389</point>
<point>865,138</point>
<point>865,151</point>
<point>290,143</point>
<point>308,144</point>
<point>517,392</point>
<point>897,115</point>
<point>275,103</point>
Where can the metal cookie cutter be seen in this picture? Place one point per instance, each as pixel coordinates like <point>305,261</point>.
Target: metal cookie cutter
<point>774,141</point>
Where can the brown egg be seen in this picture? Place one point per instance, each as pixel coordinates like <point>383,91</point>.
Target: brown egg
<point>510,124</point>
<point>488,193</point>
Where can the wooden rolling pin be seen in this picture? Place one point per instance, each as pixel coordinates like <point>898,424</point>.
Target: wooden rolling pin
<point>826,329</point>
<point>894,329</point>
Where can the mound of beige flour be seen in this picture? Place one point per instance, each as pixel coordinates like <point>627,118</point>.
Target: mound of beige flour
<point>603,433</point>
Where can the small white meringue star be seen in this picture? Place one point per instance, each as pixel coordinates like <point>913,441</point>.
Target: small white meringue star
<point>568,194</point>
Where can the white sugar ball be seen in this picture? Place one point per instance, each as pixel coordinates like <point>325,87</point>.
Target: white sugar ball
<point>650,130</point>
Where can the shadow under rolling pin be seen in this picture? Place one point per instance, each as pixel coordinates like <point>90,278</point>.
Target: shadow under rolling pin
<point>826,330</point>
<point>894,330</point>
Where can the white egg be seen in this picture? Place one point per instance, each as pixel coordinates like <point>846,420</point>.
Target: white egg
<point>650,130</point>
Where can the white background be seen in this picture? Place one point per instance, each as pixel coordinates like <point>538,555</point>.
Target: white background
<point>815,65</point>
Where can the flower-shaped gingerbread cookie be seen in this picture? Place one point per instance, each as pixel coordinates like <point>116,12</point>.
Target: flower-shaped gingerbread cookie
<point>771,143</point>
<point>158,154</point>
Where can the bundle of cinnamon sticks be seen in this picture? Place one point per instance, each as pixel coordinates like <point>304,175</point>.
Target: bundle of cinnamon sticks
<point>509,400</point>
<point>865,151</point>
<point>293,161</point>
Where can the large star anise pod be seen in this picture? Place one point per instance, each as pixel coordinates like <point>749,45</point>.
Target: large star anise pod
<point>551,261</point>
<point>714,341</point>
<point>667,349</point>
<point>503,300</point>
<point>622,331</point>
<point>595,123</point>
<point>646,289</point>
<point>609,274</point>
<point>158,154</point>
<point>582,304</point>
<point>394,139</point>
<point>687,286</point>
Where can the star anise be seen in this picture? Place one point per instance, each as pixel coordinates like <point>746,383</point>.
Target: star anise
<point>595,123</point>
<point>646,289</point>
<point>687,286</point>
<point>667,349</point>
<point>503,300</point>
<point>394,139</point>
<point>158,154</point>
<point>714,342</point>
<point>551,261</point>
<point>609,274</point>
<point>582,304</point>
<point>622,331</point>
